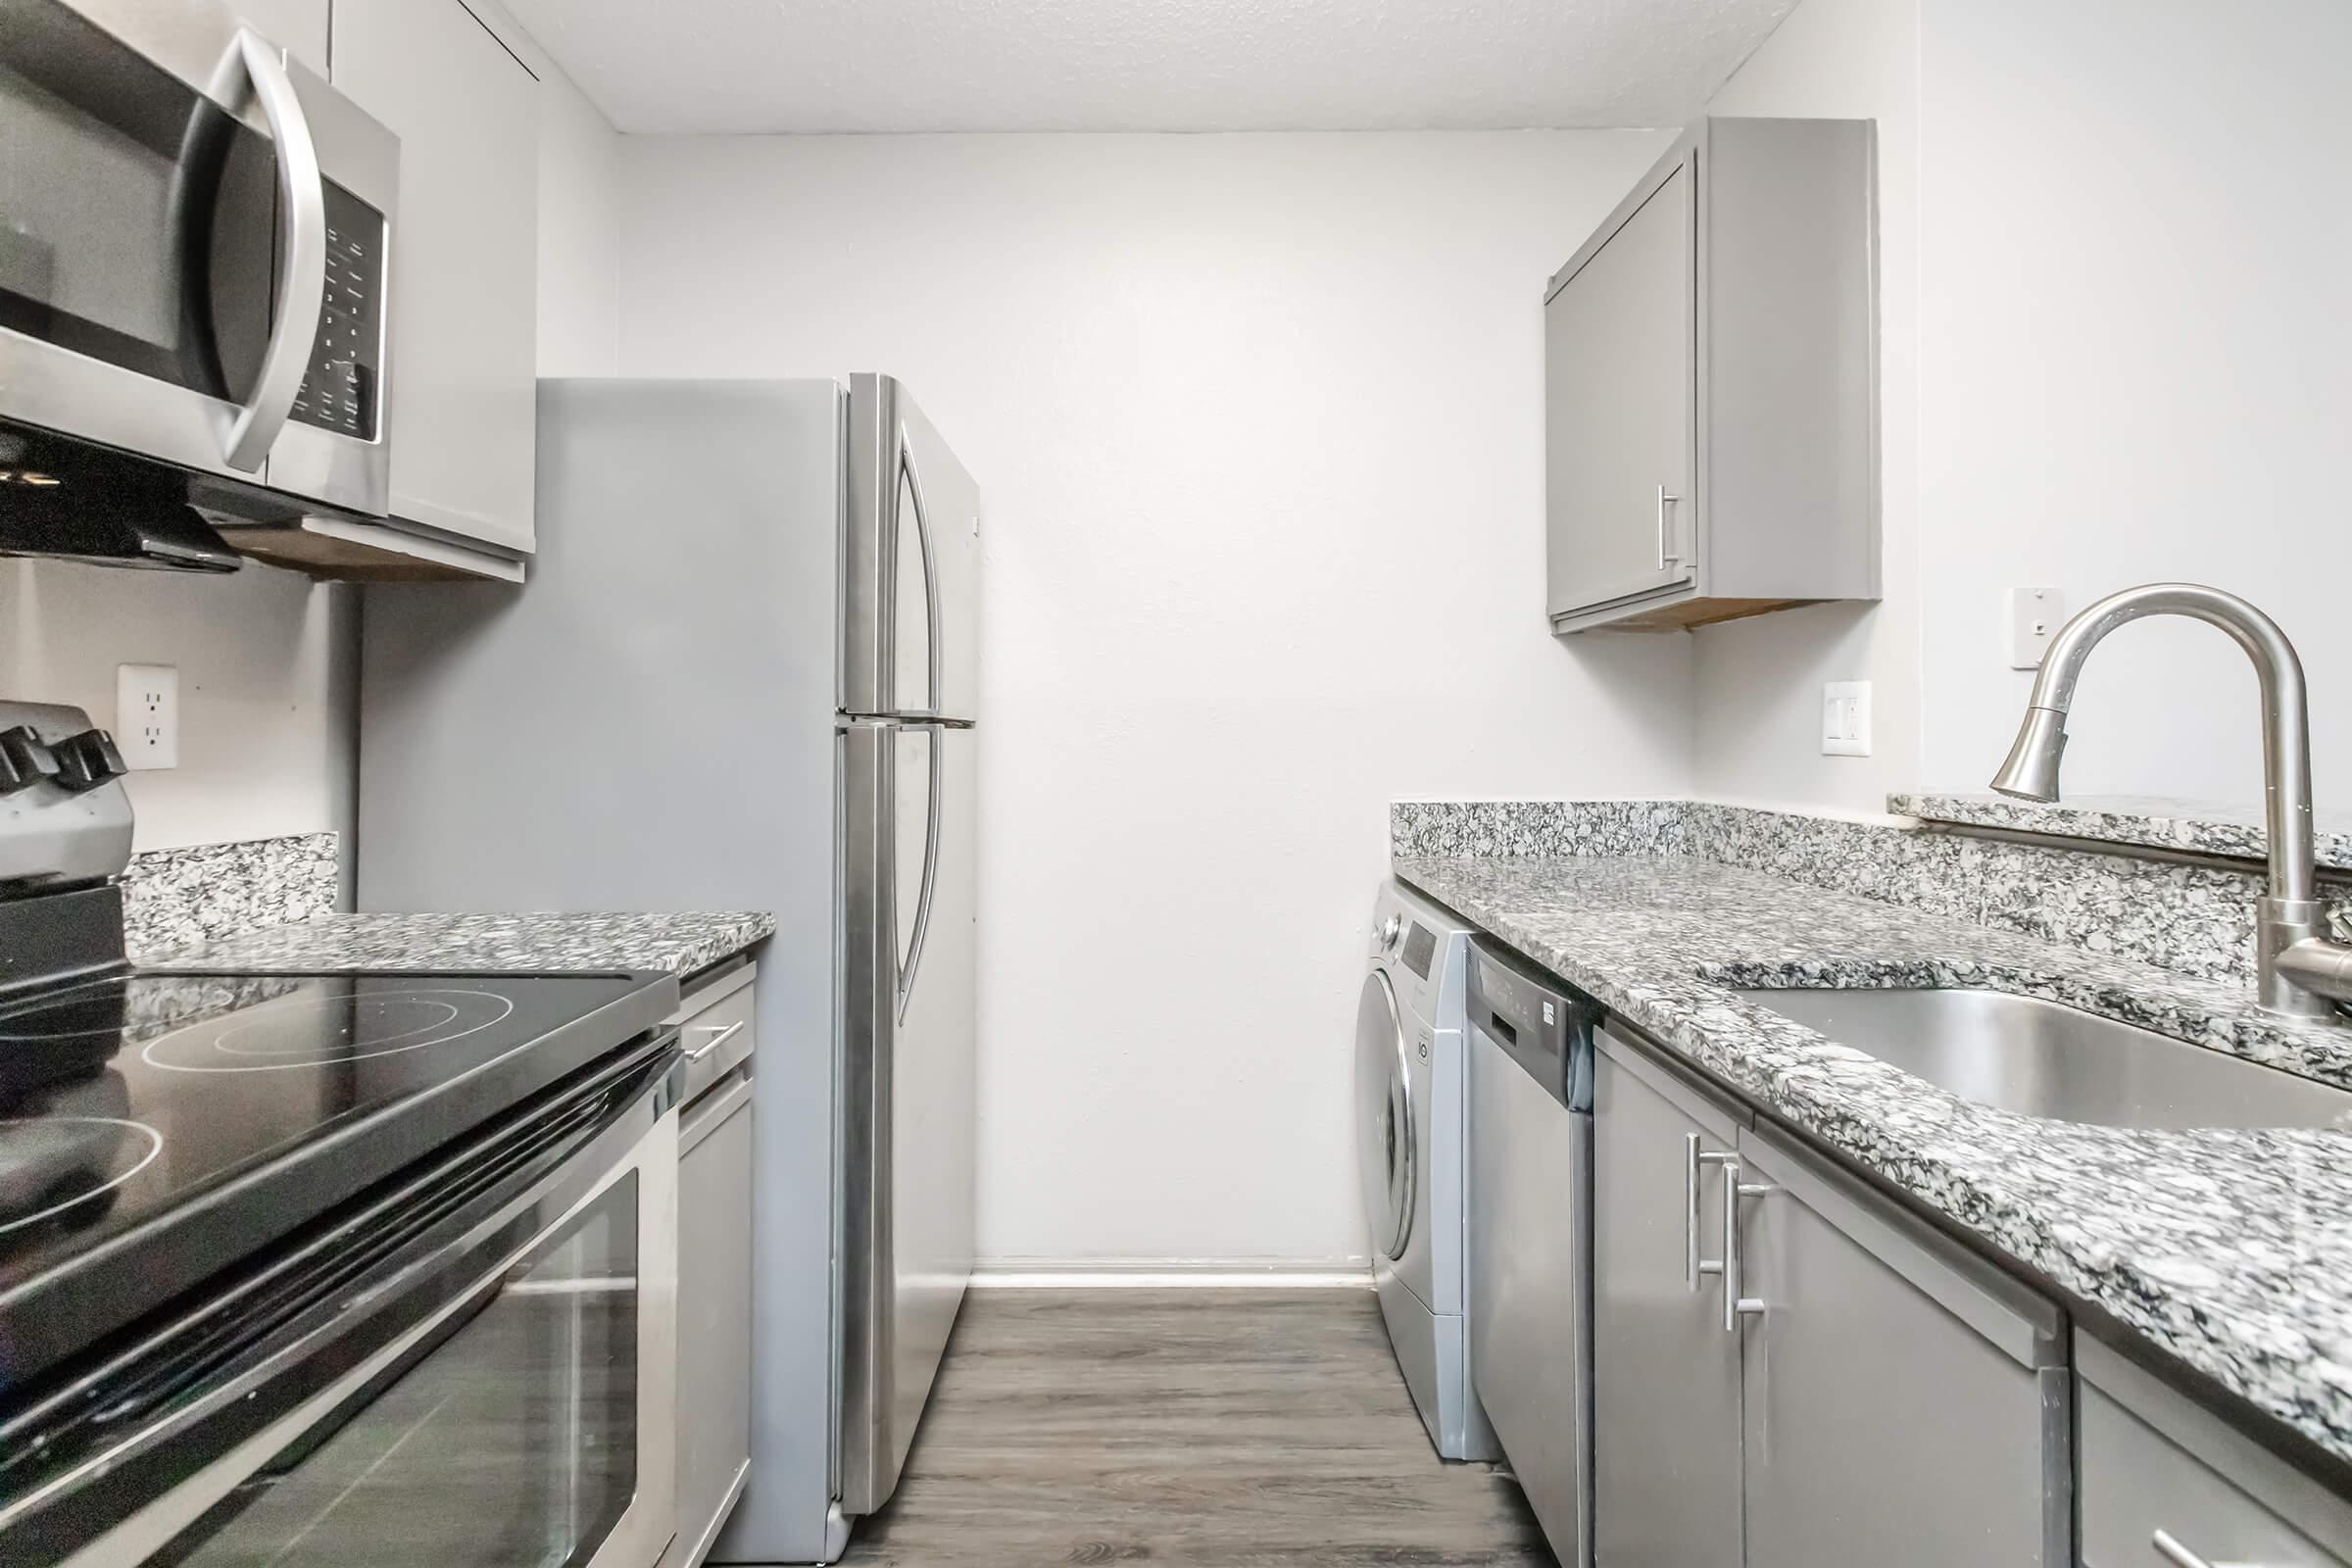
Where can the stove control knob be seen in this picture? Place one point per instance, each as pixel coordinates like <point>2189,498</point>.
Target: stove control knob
<point>88,760</point>
<point>24,759</point>
<point>1390,930</point>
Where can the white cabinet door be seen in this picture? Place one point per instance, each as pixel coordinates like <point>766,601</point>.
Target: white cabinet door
<point>462,390</point>
<point>298,27</point>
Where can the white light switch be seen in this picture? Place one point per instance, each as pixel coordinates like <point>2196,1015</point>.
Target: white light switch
<point>2035,616</point>
<point>1846,718</point>
<point>147,715</point>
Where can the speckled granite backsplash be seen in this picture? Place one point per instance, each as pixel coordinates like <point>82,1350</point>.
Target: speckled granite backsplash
<point>2193,921</point>
<point>2156,821</point>
<point>1419,829</point>
<point>176,898</point>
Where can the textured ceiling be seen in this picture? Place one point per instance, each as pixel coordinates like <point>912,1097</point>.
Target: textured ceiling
<point>667,66</point>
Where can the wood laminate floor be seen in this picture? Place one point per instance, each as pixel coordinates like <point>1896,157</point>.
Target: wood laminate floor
<point>1183,1426</point>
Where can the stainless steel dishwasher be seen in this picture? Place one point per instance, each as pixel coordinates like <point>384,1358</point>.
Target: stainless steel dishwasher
<point>1531,1236</point>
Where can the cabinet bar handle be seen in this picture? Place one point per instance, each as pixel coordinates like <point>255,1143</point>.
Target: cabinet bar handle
<point>719,1037</point>
<point>1666,554</point>
<point>2172,1551</point>
<point>1693,1264</point>
<point>1735,1305</point>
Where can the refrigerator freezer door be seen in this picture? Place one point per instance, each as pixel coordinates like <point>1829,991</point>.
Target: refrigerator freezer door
<point>910,903</point>
<point>910,564</point>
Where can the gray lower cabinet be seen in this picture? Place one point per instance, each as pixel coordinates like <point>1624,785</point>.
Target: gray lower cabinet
<point>1902,1401</point>
<point>1665,1374</point>
<point>1789,1372</point>
<point>2165,1483</point>
<point>714,1314</point>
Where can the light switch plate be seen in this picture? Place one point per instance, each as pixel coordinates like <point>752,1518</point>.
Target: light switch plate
<point>2033,618</point>
<point>147,715</point>
<point>1846,718</point>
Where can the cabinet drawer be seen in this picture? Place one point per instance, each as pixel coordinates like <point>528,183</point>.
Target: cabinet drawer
<point>716,1024</point>
<point>2155,1462</point>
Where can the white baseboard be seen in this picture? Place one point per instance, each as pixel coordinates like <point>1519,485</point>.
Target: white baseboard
<point>1160,1273</point>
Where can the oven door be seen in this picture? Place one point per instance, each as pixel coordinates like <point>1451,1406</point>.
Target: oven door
<point>477,1371</point>
<point>193,236</point>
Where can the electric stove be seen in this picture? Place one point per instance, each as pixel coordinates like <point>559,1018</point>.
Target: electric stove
<point>157,1129</point>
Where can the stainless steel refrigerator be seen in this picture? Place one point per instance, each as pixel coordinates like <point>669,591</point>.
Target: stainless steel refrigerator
<point>742,675</point>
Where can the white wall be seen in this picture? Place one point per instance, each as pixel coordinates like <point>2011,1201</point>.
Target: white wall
<point>2116,351</point>
<point>264,675</point>
<point>2137,246</point>
<point>1758,681</point>
<point>1259,424</point>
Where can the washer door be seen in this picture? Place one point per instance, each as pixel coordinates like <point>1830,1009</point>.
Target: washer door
<point>1384,1116</point>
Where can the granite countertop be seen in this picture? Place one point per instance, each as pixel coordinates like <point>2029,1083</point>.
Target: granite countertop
<point>2204,827</point>
<point>678,942</point>
<point>2229,1250</point>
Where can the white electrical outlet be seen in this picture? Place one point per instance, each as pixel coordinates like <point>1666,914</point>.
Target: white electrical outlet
<point>147,715</point>
<point>2035,616</point>
<point>1846,718</point>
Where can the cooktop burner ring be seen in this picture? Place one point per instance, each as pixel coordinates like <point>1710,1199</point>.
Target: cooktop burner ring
<point>309,1054</point>
<point>260,1019</point>
<point>155,1146</point>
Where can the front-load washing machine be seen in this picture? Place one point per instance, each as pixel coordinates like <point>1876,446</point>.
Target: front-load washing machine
<point>1412,1094</point>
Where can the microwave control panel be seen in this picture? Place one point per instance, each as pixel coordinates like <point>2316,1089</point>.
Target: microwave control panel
<point>343,389</point>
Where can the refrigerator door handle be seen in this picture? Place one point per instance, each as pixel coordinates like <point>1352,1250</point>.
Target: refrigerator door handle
<point>922,533</point>
<point>933,817</point>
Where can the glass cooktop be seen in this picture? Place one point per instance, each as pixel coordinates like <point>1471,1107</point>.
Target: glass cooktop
<point>130,1102</point>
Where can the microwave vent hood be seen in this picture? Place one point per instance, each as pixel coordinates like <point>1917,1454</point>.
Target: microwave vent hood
<point>71,502</point>
<point>75,500</point>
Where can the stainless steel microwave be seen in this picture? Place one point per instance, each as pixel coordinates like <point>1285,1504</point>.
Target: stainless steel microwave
<point>194,240</point>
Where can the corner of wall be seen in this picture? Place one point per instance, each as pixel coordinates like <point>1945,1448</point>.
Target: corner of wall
<point>1757,682</point>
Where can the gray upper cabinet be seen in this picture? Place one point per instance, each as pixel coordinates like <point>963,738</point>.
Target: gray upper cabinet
<point>298,27</point>
<point>462,389</point>
<point>1903,1404</point>
<point>1711,385</point>
<point>1787,1371</point>
<point>1665,1372</point>
<point>1623,445</point>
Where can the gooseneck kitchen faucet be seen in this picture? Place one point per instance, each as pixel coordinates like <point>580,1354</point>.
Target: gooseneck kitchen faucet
<point>2304,974</point>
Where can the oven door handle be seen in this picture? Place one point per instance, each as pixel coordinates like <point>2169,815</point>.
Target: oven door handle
<point>71,1517</point>
<point>300,300</point>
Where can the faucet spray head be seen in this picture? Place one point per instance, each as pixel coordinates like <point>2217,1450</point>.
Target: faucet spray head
<point>2031,771</point>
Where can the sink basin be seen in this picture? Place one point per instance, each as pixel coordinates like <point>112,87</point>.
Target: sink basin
<point>2039,1059</point>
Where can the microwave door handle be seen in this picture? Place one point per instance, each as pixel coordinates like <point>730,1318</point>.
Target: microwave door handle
<point>301,297</point>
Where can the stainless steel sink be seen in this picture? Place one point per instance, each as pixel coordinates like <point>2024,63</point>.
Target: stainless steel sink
<point>2039,1059</point>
